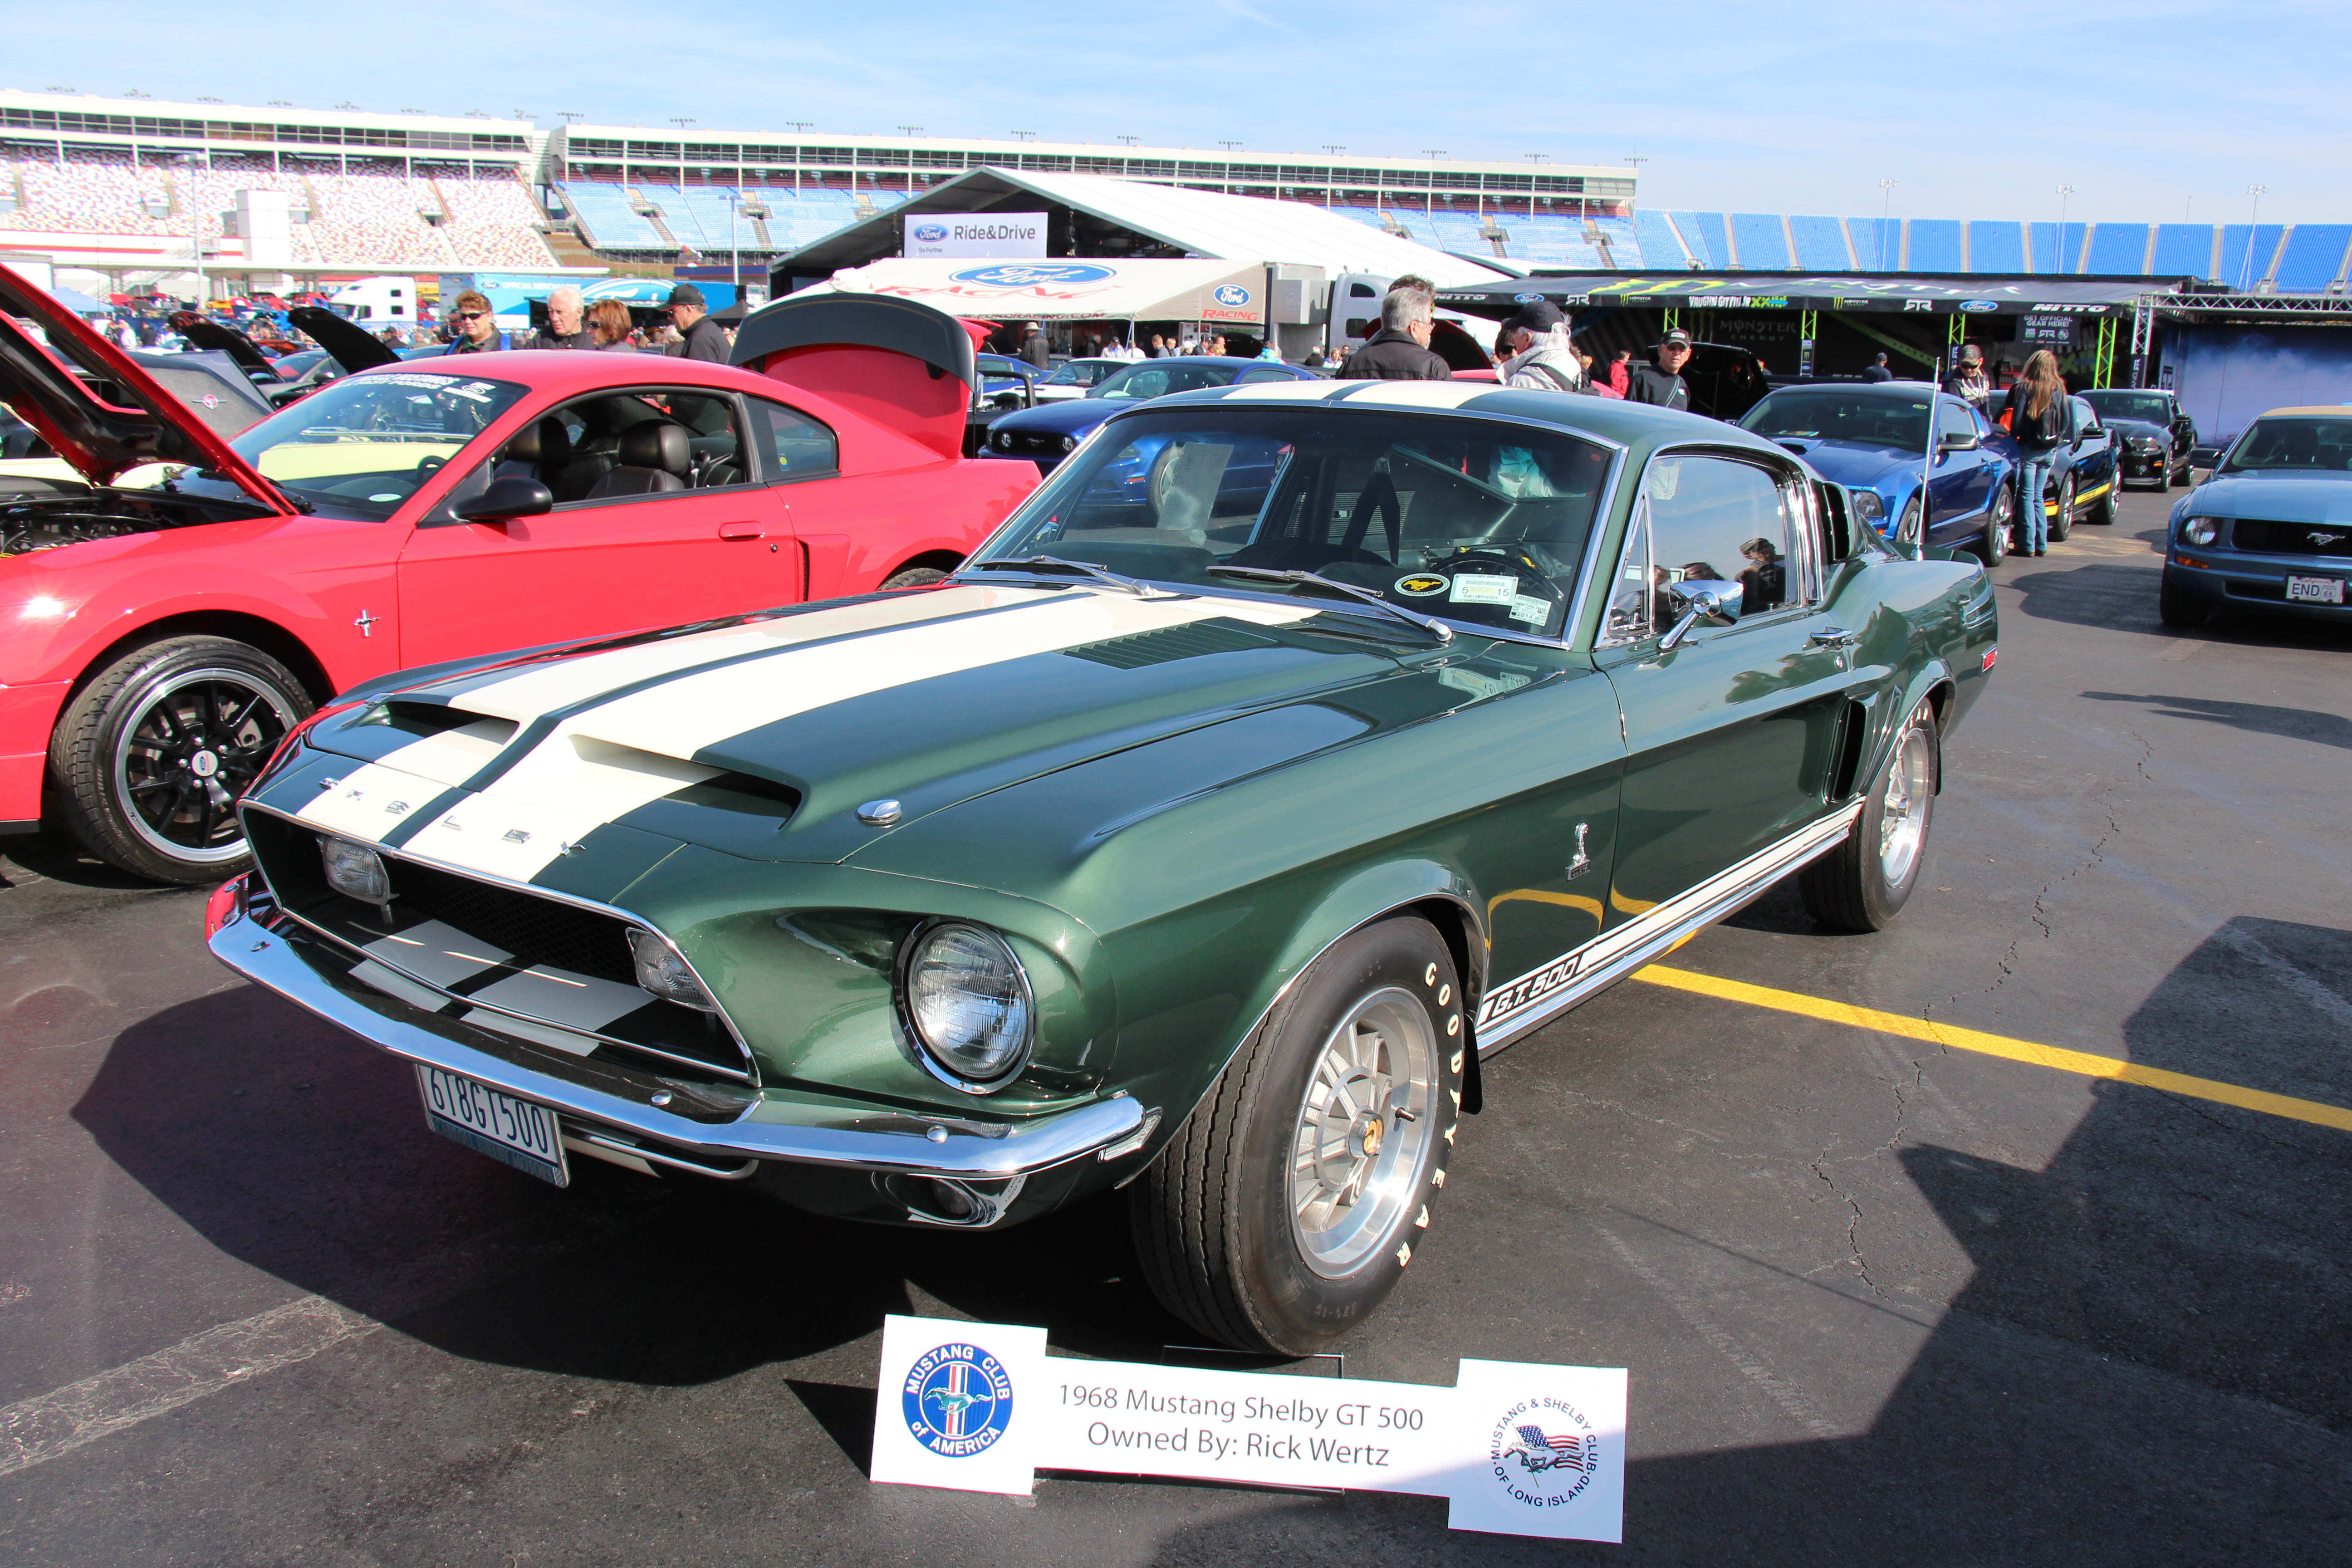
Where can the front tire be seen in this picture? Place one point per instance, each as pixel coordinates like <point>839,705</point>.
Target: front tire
<point>914,577</point>
<point>2062,522</point>
<point>1907,528</point>
<point>2104,514</point>
<point>1865,882</point>
<point>1993,545</point>
<point>1292,1200</point>
<point>150,757</point>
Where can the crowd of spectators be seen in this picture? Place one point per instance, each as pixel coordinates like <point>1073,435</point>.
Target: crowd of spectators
<point>376,218</point>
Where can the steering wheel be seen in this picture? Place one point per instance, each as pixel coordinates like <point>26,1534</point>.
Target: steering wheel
<point>1533,583</point>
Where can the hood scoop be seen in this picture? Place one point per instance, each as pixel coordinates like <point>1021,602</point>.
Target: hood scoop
<point>1167,644</point>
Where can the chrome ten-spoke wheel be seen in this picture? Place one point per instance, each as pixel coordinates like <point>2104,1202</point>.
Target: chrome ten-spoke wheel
<point>150,757</point>
<point>1295,1195</point>
<point>1364,1128</point>
<point>1902,805</point>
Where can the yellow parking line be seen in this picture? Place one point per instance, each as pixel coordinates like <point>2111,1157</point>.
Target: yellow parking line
<point>2051,1057</point>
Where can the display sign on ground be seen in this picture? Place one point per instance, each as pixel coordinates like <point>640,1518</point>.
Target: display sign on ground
<point>1518,1448</point>
<point>975,234</point>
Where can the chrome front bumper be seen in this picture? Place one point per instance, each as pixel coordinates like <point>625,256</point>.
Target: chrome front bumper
<point>281,956</point>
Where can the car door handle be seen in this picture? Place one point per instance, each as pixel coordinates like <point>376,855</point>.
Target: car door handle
<point>739,531</point>
<point>1834,636</point>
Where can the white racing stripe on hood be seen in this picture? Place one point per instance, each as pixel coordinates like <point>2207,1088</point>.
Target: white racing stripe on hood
<point>1421,393</point>
<point>362,804</point>
<point>542,688</point>
<point>609,760</point>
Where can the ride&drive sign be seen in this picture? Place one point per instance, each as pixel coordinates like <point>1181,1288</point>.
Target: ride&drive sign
<point>1518,1448</point>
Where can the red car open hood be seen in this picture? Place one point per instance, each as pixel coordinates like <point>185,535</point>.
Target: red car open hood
<point>102,440</point>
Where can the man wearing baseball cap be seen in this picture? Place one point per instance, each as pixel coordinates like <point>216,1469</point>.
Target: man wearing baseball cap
<point>1967,378</point>
<point>701,335</point>
<point>1541,356</point>
<point>1660,382</point>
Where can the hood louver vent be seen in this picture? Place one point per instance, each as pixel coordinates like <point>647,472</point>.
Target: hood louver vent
<point>1169,645</point>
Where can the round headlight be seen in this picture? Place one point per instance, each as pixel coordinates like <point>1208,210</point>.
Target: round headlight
<point>1004,439</point>
<point>968,1002</point>
<point>2201,530</point>
<point>1069,443</point>
<point>1867,506</point>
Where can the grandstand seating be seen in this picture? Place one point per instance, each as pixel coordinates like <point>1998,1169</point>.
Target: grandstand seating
<point>1820,244</point>
<point>2314,257</point>
<point>371,219</point>
<point>2184,248</point>
<point>2055,252</point>
<point>1877,244</point>
<point>1996,247</point>
<point>2119,247</point>
<point>2246,253</point>
<point>1661,246</point>
<point>1622,244</point>
<point>1762,242</point>
<point>1933,247</point>
<point>1706,236</point>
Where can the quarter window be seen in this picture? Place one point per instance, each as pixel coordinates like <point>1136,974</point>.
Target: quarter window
<point>791,445</point>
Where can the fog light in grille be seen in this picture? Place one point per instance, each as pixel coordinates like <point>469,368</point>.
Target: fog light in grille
<point>355,871</point>
<point>662,971</point>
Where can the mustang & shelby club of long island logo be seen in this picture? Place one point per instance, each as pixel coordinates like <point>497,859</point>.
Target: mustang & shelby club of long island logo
<point>957,1399</point>
<point>1543,1452</point>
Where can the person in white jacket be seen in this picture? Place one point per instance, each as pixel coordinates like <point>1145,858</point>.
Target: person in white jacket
<point>1542,357</point>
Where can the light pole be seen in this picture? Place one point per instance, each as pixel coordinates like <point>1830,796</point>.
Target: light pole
<point>1886,217</point>
<point>2253,218</point>
<point>2064,192</point>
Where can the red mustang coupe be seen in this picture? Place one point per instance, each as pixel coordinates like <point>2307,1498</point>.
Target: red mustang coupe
<point>165,624</point>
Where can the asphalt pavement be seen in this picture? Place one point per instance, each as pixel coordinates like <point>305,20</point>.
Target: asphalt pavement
<point>1881,1301</point>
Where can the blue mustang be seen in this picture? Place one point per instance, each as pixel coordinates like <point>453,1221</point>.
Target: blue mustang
<point>2270,527</point>
<point>1872,439</point>
<point>1051,431</point>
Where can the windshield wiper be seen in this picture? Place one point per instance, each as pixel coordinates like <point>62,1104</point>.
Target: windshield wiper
<point>1435,628</point>
<point>1055,562</point>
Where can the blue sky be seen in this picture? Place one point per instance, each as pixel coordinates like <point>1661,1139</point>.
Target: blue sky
<point>2150,110</point>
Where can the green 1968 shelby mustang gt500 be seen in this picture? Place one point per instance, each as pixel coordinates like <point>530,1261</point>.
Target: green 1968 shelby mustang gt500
<point>1290,748</point>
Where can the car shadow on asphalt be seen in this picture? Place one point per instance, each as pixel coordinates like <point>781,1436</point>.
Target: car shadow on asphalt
<point>55,856</point>
<point>2118,596</point>
<point>2293,723</point>
<point>2149,1349</point>
<point>303,1152</point>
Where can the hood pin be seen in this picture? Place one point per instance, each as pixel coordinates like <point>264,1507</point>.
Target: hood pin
<point>879,813</point>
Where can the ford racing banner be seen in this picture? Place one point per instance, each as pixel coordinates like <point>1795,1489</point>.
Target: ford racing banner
<point>1517,1448</point>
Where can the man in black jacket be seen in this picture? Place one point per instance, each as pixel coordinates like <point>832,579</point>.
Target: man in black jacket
<point>702,338</point>
<point>1660,382</point>
<point>563,329</point>
<point>1400,349</point>
<point>1035,348</point>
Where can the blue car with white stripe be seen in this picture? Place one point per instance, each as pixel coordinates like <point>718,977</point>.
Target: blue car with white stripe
<point>1046,433</point>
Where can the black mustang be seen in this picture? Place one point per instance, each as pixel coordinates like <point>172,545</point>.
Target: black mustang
<point>2155,440</point>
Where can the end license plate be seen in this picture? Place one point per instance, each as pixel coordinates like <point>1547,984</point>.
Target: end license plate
<point>513,1130</point>
<point>2315,590</point>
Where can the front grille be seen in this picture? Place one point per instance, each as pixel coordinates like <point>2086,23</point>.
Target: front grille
<point>535,929</point>
<point>1030,444</point>
<point>2291,538</point>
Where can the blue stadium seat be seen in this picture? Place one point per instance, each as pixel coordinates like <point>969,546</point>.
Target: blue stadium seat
<point>2246,252</point>
<point>1623,243</point>
<point>2055,253</point>
<point>2119,247</point>
<point>2183,250</point>
<point>1877,247</point>
<point>1935,245</point>
<point>1996,247</point>
<point>1661,251</point>
<point>1820,244</point>
<point>610,219</point>
<point>1707,237</point>
<point>1762,243</point>
<point>2313,256</point>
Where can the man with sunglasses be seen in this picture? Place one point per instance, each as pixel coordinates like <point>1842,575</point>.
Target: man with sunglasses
<point>476,329</point>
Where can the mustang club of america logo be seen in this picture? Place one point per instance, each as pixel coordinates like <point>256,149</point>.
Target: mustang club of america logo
<point>957,1399</point>
<point>1543,1453</point>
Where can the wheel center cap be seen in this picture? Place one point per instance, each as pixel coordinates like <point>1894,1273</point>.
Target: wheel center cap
<point>204,764</point>
<point>1364,1137</point>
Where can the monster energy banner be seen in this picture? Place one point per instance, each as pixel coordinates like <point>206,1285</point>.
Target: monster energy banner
<point>1517,1448</point>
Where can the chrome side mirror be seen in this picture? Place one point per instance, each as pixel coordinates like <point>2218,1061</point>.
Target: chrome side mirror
<point>1717,602</point>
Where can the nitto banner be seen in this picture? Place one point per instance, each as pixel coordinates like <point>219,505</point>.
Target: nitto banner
<point>975,234</point>
<point>1518,1448</point>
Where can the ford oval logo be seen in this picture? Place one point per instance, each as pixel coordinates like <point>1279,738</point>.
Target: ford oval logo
<point>930,233</point>
<point>1233,294</point>
<point>1977,307</point>
<point>1028,274</point>
<point>1525,298</point>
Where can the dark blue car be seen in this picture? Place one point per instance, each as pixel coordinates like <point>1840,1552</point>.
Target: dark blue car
<point>1872,439</point>
<point>1051,431</point>
<point>2270,527</point>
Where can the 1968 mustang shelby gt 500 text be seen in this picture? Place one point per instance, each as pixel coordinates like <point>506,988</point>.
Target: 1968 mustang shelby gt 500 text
<point>1290,747</point>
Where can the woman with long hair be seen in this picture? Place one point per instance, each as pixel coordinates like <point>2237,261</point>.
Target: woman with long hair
<point>2035,412</point>
<point>608,326</point>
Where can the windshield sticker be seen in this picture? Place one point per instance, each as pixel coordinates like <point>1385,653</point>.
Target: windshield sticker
<point>1534,611</point>
<point>1479,588</point>
<point>383,498</point>
<point>1421,585</point>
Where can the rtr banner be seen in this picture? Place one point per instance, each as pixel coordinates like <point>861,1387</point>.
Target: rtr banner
<point>1518,1448</point>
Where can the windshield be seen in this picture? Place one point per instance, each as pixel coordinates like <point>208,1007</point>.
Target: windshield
<point>1483,524</point>
<point>361,445</point>
<point>1082,373</point>
<point>1138,382</point>
<point>2149,407</point>
<point>2300,444</point>
<point>1837,414</point>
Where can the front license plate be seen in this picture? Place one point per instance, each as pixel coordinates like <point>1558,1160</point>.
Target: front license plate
<point>523,1134</point>
<point>2315,590</point>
